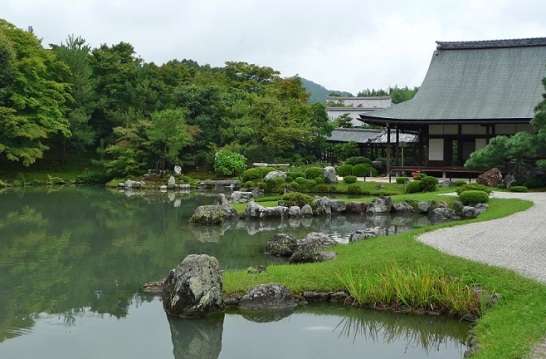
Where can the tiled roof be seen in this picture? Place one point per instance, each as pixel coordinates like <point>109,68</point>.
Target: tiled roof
<point>476,81</point>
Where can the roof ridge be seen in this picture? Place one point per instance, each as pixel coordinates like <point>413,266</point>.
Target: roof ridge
<point>485,44</point>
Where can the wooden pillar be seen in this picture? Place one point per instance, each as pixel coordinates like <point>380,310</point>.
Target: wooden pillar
<point>459,144</point>
<point>397,148</point>
<point>389,151</point>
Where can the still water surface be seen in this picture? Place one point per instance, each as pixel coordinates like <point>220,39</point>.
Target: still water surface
<point>72,262</point>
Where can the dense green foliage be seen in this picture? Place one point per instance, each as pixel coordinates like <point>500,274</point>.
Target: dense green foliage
<point>314,173</point>
<point>33,96</point>
<point>402,180</point>
<point>397,94</point>
<point>413,187</point>
<point>473,187</point>
<point>228,163</point>
<point>349,179</point>
<point>355,160</point>
<point>472,197</point>
<point>344,170</point>
<point>133,115</point>
<point>429,184</point>
<point>296,199</point>
<point>519,189</point>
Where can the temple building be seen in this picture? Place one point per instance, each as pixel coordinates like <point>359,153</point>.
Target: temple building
<point>473,91</point>
<point>354,107</point>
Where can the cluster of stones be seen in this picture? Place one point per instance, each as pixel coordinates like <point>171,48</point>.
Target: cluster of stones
<point>214,213</point>
<point>171,185</point>
<point>195,288</point>
<point>309,249</point>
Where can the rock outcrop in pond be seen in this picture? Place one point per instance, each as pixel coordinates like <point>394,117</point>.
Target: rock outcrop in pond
<point>380,205</point>
<point>311,249</point>
<point>214,213</point>
<point>268,297</point>
<point>194,287</point>
<point>281,245</point>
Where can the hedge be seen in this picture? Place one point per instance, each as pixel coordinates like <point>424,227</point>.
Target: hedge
<point>349,179</point>
<point>472,197</point>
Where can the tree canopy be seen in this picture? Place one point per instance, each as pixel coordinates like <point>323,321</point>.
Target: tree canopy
<point>135,115</point>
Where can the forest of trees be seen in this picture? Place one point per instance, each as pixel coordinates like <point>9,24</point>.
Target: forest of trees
<point>107,104</point>
<point>397,94</point>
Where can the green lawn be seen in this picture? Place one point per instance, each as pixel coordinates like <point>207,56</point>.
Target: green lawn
<point>507,330</point>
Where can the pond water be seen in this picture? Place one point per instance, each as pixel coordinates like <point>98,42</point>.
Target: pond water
<point>72,262</point>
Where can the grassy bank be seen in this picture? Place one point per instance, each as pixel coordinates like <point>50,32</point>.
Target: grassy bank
<point>507,330</point>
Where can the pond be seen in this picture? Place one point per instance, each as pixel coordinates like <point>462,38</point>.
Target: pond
<point>73,260</point>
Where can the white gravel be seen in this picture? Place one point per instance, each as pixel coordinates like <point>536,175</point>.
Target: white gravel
<point>517,242</point>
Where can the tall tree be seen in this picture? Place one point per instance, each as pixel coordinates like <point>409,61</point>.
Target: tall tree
<point>32,97</point>
<point>76,54</point>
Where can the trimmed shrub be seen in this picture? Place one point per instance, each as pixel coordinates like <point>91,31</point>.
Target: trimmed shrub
<point>354,189</point>
<point>419,176</point>
<point>314,173</point>
<point>473,187</point>
<point>291,176</point>
<point>355,160</point>
<point>249,184</point>
<point>276,185</point>
<point>344,170</point>
<point>472,197</point>
<point>256,173</point>
<point>429,184</point>
<point>364,170</point>
<point>519,189</point>
<point>295,199</point>
<point>413,187</point>
<point>319,180</point>
<point>228,163</point>
<point>349,179</point>
<point>402,180</point>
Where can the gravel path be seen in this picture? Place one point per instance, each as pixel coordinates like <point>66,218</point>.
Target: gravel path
<point>517,242</point>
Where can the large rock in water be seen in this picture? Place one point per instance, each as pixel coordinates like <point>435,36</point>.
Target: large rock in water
<point>242,197</point>
<point>212,214</point>
<point>380,205</point>
<point>402,206</point>
<point>268,297</point>
<point>492,177</point>
<point>311,248</point>
<point>254,210</point>
<point>194,287</point>
<point>364,233</point>
<point>281,245</point>
<point>330,175</point>
<point>275,176</point>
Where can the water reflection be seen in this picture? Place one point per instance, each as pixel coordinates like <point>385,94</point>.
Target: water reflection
<point>307,333</point>
<point>86,250</point>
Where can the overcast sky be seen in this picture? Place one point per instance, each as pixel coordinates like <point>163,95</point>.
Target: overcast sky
<point>343,44</point>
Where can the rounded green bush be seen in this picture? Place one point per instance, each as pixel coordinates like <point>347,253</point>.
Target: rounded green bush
<point>472,197</point>
<point>355,160</point>
<point>413,187</point>
<point>256,173</point>
<point>459,183</point>
<point>473,187</point>
<point>314,173</point>
<point>402,180</point>
<point>344,170</point>
<point>354,189</point>
<point>292,175</point>
<point>249,184</point>
<point>295,199</point>
<point>349,179</point>
<point>429,184</point>
<point>519,189</point>
<point>364,170</point>
<point>229,163</point>
<point>321,188</point>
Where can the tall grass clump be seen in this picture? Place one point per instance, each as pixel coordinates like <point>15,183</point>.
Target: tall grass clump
<point>422,289</point>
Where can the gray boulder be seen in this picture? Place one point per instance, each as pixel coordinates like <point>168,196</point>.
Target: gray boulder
<point>294,211</point>
<point>275,176</point>
<point>424,206</point>
<point>212,214</point>
<point>330,175</point>
<point>133,184</point>
<point>443,213</point>
<point>171,183</point>
<point>326,206</point>
<point>268,297</point>
<point>402,206</point>
<point>194,287</point>
<point>310,248</point>
<point>306,210</point>
<point>481,207</point>
<point>281,245</point>
<point>380,205</point>
<point>470,212</point>
<point>365,233</point>
<point>356,208</point>
<point>241,197</point>
<point>254,210</point>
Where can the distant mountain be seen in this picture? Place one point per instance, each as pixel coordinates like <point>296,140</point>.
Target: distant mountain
<point>318,93</point>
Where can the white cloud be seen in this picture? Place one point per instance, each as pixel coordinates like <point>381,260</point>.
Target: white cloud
<point>344,44</point>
